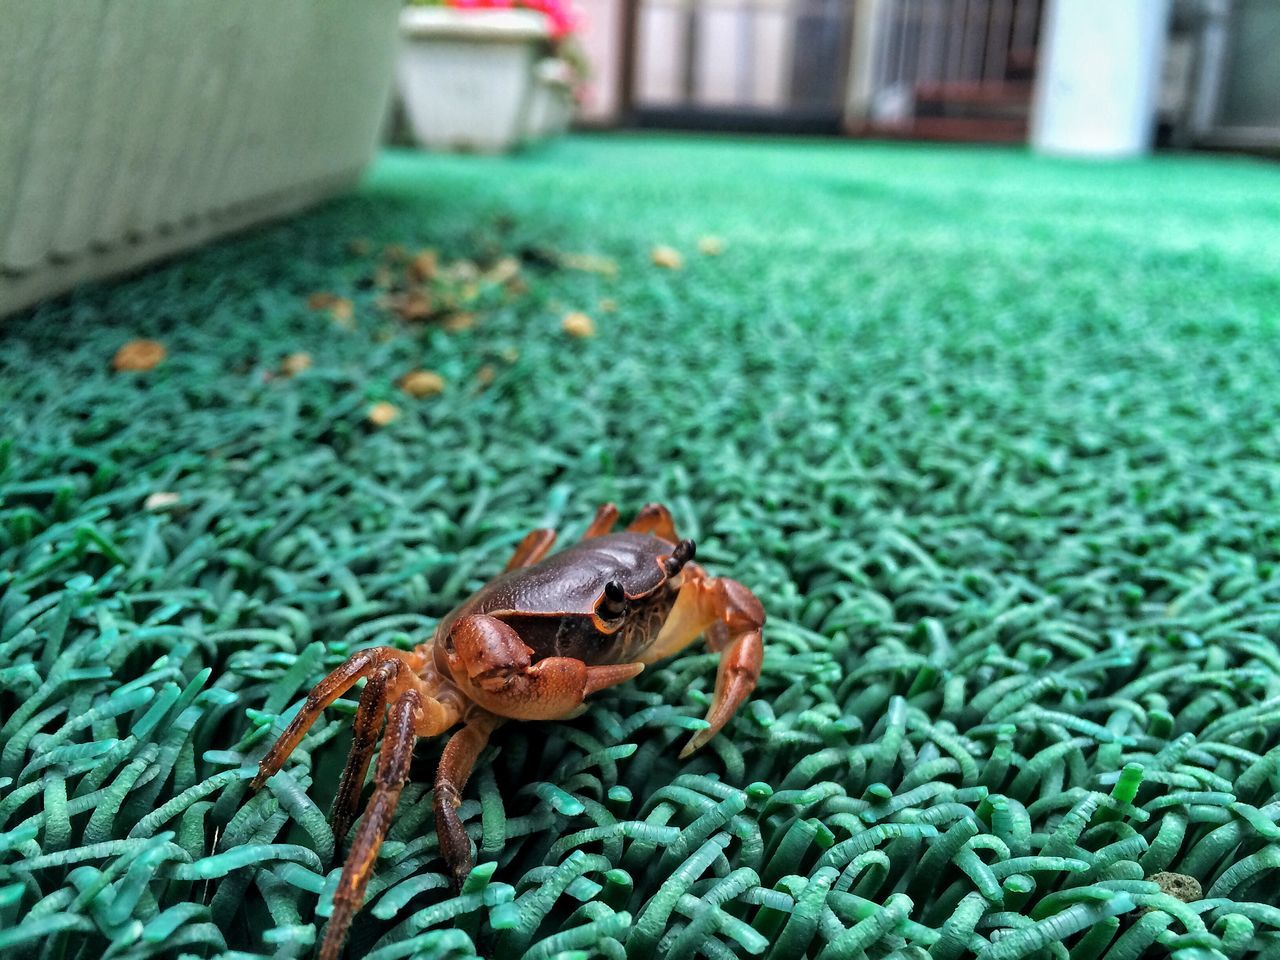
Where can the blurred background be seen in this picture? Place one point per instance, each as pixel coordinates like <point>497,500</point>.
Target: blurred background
<point>131,130</point>
<point>929,69</point>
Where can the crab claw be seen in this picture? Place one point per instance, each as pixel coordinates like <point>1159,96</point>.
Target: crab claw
<point>732,619</point>
<point>736,677</point>
<point>496,667</point>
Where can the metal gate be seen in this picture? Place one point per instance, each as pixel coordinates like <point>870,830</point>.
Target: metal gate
<point>950,69</point>
<point>958,69</point>
<point>1222,78</point>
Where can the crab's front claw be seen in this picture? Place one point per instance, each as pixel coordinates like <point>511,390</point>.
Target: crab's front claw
<point>496,666</point>
<point>732,619</point>
<point>736,677</point>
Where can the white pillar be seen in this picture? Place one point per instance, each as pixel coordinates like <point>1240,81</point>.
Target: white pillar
<point>1099,76</point>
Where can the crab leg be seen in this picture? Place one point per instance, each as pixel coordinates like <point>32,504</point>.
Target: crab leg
<point>731,618</point>
<point>360,664</point>
<point>403,725</point>
<point>391,673</point>
<point>656,519</point>
<point>532,548</point>
<point>496,669</point>
<point>604,520</point>
<point>368,724</point>
<point>456,763</point>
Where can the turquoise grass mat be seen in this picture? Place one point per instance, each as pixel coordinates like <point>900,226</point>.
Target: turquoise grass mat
<point>995,440</point>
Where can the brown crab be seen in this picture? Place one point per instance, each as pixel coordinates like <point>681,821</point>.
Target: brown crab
<point>531,644</point>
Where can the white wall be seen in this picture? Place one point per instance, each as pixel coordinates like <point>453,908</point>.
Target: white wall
<point>601,35</point>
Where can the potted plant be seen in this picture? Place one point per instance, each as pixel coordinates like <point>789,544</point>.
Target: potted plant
<point>553,101</point>
<point>487,75</point>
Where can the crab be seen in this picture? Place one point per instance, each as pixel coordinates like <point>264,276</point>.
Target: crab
<point>532,644</point>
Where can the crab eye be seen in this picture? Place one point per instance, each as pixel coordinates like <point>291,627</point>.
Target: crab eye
<point>614,602</point>
<point>681,555</point>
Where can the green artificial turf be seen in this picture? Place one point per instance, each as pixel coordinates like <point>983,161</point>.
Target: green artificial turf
<point>995,439</point>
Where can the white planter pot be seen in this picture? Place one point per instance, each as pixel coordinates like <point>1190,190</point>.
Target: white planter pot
<point>551,104</point>
<point>1099,77</point>
<point>466,76</point>
<point>135,128</point>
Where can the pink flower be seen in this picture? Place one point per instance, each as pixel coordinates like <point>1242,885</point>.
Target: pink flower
<point>561,16</point>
